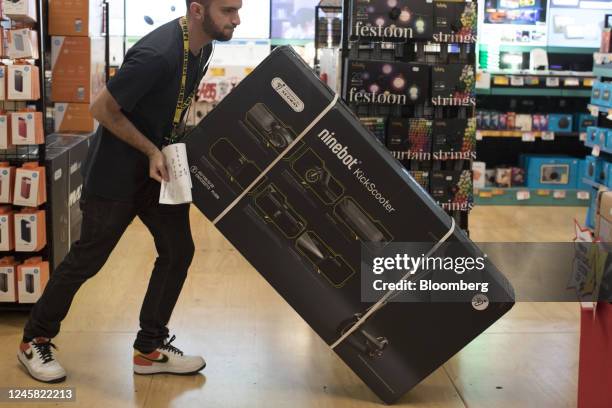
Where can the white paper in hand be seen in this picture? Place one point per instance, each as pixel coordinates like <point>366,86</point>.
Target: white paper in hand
<point>178,189</point>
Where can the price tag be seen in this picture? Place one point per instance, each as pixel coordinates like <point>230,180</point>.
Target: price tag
<point>582,136</point>
<point>523,195</point>
<point>517,81</point>
<point>548,135</point>
<point>594,110</point>
<point>528,137</point>
<point>559,194</point>
<point>552,81</point>
<point>571,82</point>
<point>478,135</point>
<point>596,151</point>
<point>583,195</point>
<point>485,194</point>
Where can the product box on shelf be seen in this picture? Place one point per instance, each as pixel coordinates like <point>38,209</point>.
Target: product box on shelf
<point>582,174</point>
<point>73,117</point>
<point>7,180</point>
<point>490,178</point>
<point>397,21</point>
<point>287,169</point>
<point>7,243</point>
<point>455,22</point>
<point>20,10</point>
<point>78,69</point>
<point>27,128</point>
<point>8,279</point>
<point>32,277</point>
<point>558,122</point>
<point>479,174</point>
<point>76,17</point>
<point>376,125</point>
<point>386,83</point>
<point>30,230</point>
<point>452,189</point>
<point>593,168</point>
<point>596,136</point>
<point>585,120</point>
<point>524,122</point>
<point>23,83</point>
<point>454,135</point>
<point>503,177</point>
<point>421,177</point>
<point>2,82</point>
<point>518,177</point>
<point>550,172</point>
<point>453,85</point>
<point>409,135</point>
<point>30,188</point>
<point>601,93</point>
<point>23,43</point>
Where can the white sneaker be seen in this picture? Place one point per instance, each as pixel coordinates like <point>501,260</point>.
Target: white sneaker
<point>167,359</point>
<point>38,358</point>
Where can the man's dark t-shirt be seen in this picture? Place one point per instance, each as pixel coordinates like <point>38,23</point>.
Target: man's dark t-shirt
<point>146,87</point>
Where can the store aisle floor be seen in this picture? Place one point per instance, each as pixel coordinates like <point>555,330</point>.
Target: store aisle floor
<point>261,354</point>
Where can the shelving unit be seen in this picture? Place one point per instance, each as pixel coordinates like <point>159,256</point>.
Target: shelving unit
<point>442,175</point>
<point>17,155</point>
<point>529,196</point>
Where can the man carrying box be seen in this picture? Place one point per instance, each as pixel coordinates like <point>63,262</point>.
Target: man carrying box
<point>139,112</point>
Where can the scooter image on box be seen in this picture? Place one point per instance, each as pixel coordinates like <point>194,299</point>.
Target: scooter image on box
<point>367,231</point>
<point>311,170</point>
<point>3,282</point>
<point>333,267</point>
<point>278,211</point>
<point>365,342</point>
<point>267,126</point>
<point>29,283</point>
<point>236,166</point>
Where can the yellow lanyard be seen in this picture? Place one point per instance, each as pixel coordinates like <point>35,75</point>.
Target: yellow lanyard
<point>183,102</point>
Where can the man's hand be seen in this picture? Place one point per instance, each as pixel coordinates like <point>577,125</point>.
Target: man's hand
<point>157,166</point>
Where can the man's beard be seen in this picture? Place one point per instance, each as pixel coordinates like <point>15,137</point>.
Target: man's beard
<point>213,31</point>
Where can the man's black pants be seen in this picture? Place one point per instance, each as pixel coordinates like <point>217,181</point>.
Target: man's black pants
<point>104,222</point>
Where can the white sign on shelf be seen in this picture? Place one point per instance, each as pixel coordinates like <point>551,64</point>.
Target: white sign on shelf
<point>478,135</point>
<point>583,195</point>
<point>548,135</point>
<point>517,81</point>
<point>594,110</point>
<point>528,137</point>
<point>559,194</point>
<point>523,195</point>
<point>596,150</point>
<point>582,136</point>
<point>552,82</point>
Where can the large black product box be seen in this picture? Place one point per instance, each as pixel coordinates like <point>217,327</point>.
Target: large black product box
<point>57,208</point>
<point>386,83</point>
<point>454,135</point>
<point>453,85</point>
<point>391,21</point>
<point>296,183</point>
<point>77,147</point>
<point>455,22</point>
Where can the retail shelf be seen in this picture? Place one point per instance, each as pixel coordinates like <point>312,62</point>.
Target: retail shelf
<point>552,50</point>
<point>530,196</point>
<point>521,134</point>
<point>16,307</point>
<point>580,93</point>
